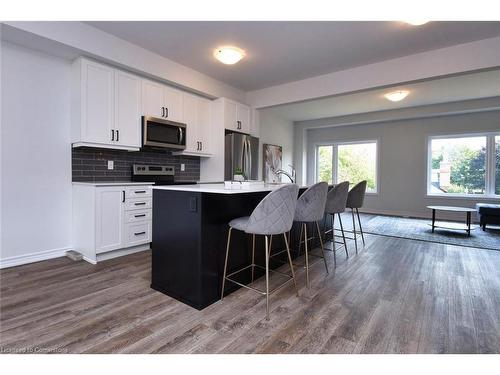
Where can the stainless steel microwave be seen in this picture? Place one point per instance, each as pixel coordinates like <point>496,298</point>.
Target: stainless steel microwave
<point>158,132</point>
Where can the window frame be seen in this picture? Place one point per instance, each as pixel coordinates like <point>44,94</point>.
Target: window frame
<point>335,160</point>
<point>489,187</point>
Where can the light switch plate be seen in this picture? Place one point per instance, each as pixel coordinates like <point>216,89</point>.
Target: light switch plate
<point>111,164</point>
<point>183,167</point>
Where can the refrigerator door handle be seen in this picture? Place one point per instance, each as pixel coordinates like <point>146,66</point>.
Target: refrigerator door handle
<point>244,158</point>
<point>249,150</point>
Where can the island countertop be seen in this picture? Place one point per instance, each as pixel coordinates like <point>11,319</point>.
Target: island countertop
<point>220,188</point>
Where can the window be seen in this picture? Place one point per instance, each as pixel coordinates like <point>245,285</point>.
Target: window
<point>464,165</point>
<point>325,164</point>
<point>353,162</point>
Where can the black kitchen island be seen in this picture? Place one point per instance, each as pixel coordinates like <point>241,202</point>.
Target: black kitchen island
<point>190,226</point>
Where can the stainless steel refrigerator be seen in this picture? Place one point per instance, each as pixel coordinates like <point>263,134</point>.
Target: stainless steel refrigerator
<point>241,152</point>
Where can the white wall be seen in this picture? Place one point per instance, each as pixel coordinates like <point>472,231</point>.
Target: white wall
<point>403,157</point>
<point>35,155</point>
<point>278,131</point>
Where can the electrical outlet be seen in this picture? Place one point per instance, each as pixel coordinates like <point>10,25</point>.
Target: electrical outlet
<point>111,164</point>
<point>183,167</point>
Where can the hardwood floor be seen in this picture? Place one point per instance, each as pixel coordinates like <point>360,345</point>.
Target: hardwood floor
<point>395,296</point>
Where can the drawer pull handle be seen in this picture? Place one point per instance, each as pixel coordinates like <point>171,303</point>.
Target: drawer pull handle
<point>140,191</point>
<point>139,233</point>
<point>140,204</point>
<point>140,215</point>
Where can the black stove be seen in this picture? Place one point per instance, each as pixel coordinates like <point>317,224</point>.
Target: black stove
<point>159,174</point>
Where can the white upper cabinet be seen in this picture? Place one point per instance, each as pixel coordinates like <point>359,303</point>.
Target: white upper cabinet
<point>190,118</point>
<point>204,124</point>
<point>106,106</point>
<point>153,100</point>
<point>97,93</point>
<point>243,118</point>
<point>197,118</point>
<point>161,101</point>
<point>173,104</point>
<point>236,116</point>
<point>127,109</point>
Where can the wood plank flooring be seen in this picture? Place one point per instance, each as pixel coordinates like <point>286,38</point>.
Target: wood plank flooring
<point>394,296</point>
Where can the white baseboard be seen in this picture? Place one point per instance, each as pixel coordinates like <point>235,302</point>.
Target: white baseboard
<point>120,253</point>
<point>33,257</point>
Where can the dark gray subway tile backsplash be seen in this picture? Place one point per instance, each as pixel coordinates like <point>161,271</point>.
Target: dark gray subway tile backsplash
<point>91,164</point>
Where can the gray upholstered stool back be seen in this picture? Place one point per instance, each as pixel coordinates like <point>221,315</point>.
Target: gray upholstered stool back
<point>356,196</point>
<point>336,200</point>
<point>311,204</point>
<point>274,214</point>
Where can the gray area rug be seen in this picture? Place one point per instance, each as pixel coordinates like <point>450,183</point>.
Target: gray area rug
<point>419,229</point>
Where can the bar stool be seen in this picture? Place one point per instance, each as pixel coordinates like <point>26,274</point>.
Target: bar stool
<point>272,216</point>
<point>336,201</point>
<point>310,209</point>
<point>355,200</point>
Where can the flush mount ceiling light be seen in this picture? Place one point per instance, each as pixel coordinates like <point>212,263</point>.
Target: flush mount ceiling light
<point>229,55</point>
<point>396,96</point>
<point>416,22</point>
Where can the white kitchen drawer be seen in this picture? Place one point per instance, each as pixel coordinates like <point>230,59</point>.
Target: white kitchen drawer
<point>138,203</point>
<point>138,191</point>
<point>138,215</point>
<point>137,233</point>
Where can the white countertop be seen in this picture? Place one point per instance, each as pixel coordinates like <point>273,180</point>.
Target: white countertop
<point>112,183</point>
<point>219,188</point>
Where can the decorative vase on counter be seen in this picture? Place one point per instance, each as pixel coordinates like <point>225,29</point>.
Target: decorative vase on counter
<point>238,177</point>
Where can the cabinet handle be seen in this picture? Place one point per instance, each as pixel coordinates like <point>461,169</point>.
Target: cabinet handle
<point>162,111</point>
<point>197,146</point>
<point>166,113</point>
<point>140,191</point>
<point>139,233</point>
<point>201,146</point>
<point>140,204</point>
<point>143,215</point>
<point>123,196</point>
<point>117,135</point>
<point>112,134</point>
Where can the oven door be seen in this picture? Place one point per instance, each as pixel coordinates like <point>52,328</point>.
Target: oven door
<point>158,132</point>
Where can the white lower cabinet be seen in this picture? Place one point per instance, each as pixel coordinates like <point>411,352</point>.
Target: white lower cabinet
<point>110,221</point>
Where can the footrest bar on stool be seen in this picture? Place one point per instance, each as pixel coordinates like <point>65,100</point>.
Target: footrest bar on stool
<point>258,290</point>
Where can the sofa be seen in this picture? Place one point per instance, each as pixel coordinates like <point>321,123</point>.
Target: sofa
<point>488,214</point>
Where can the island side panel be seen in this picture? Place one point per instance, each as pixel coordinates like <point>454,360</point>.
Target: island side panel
<point>176,245</point>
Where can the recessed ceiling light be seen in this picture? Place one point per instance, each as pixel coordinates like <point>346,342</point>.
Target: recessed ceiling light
<point>229,55</point>
<point>396,96</point>
<point>417,22</point>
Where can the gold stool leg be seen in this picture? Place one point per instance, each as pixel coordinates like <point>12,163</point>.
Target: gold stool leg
<point>307,255</point>
<point>300,238</point>
<point>291,265</point>
<point>267,277</point>
<point>225,263</point>
<point>322,249</point>
<point>253,255</point>
<point>354,230</point>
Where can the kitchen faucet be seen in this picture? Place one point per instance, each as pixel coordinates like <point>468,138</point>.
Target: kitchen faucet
<point>281,171</point>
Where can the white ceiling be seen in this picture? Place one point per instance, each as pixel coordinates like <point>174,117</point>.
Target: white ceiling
<point>279,52</point>
<point>464,87</point>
